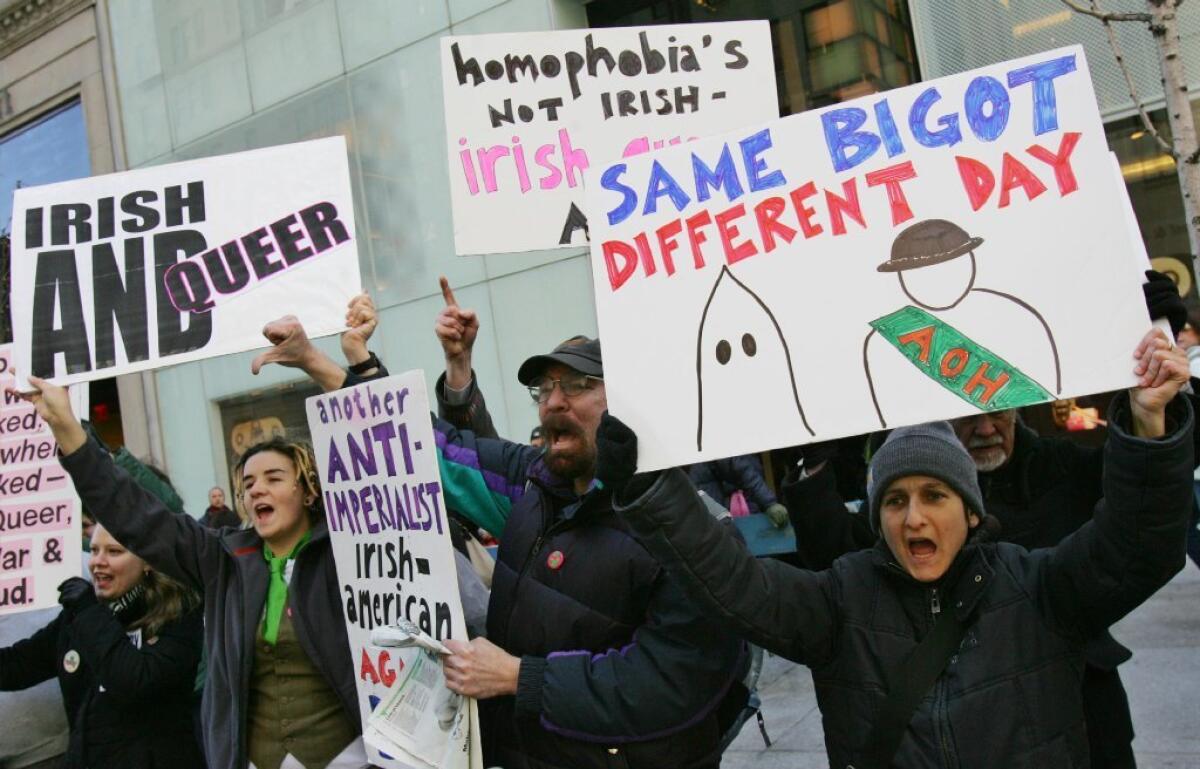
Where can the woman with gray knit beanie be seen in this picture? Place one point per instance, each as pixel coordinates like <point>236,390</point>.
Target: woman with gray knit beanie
<point>939,647</point>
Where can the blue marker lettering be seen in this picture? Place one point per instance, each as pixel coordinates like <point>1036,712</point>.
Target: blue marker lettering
<point>609,181</point>
<point>949,135</point>
<point>752,147</point>
<point>982,91</point>
<point>662,183</point>
<point>725,176</point>
<point>1045,106</point>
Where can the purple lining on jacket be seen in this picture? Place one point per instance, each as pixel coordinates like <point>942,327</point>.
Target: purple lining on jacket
<point>468,458</point>
<point>700,716</point>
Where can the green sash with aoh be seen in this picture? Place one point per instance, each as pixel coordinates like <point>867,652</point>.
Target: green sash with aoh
<point>962,366</point>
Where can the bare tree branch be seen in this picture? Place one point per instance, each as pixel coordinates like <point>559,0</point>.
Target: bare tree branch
<point>1107,17</point>
<point>1113,43</point>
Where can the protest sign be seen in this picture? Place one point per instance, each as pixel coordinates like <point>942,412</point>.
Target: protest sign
<point>39,510</point>
<point>377,459</point>
<point>527,113</point>
<point>174,263</point>
<point>926,253</point>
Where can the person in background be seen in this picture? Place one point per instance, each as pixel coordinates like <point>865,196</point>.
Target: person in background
<point>87,526</point>
<point>34,733</point>
<point>218,515</point>
<point>535,437</point>
<point>724,479</point>
<point>125,651</point>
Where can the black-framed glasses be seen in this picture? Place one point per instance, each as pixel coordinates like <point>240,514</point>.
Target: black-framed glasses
<point>571,386</point>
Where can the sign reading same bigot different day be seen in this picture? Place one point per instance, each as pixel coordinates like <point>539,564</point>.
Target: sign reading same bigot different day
<point>943,249</point>
<point>174,263</point>
<point>377,459</point>
<point>39,510</point>
<point>527,113</point>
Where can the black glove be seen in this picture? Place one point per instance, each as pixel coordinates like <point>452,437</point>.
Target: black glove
<point>616,452</point>
<point>616,460</point>
<point>1163,300</point>
<point>75,595</point>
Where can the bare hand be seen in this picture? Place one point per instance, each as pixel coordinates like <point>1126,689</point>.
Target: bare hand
<point>292,346</point>
<point>1162,369</point>
<point>456,329</point>
<point>361,320</point>
<point>480,669</point>
<point>54,407</point>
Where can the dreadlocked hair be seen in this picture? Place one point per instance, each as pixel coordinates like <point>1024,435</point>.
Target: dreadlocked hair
<point>166,600</point>
<point>305,464</point>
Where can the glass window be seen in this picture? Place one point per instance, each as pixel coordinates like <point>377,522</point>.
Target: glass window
<point>830,24</point>
<point>260,416</point>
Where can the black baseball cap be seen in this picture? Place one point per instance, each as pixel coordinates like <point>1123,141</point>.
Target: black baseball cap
<point>578,352</point>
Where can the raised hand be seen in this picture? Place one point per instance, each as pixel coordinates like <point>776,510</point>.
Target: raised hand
<point>1162,369</point>
<point>361,320</point>
<point>54,407</point>
<point>290,345</point>
<point>456,329</point>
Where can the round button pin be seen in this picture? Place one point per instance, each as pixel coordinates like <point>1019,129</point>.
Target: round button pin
<point>71,661</point>
<point>555,560</point>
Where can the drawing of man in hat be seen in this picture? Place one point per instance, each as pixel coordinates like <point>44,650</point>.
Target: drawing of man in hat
<point>984,347</point>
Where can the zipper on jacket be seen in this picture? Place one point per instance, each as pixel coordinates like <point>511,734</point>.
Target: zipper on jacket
<point>935,604</point>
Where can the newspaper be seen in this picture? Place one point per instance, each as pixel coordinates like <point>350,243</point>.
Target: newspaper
<point>423,718</point>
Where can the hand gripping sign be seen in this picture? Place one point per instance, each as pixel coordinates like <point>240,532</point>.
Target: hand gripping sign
<point>174,263</point>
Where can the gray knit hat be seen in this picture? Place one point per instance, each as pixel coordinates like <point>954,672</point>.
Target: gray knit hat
<point>930,449</point>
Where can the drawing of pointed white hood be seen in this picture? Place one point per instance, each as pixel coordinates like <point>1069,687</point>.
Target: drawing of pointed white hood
<point>743,366</point>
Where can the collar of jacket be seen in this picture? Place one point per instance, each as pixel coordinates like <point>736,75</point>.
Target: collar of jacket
<point>247,541</point>
<point>963,584</point>
<point>1014,472</point>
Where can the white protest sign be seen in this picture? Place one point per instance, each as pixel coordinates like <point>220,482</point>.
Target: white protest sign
<point>39,510</point>
<point>377,459</point>
<point>527,113</point>
<point>174,263</point>
<point>920,254</point>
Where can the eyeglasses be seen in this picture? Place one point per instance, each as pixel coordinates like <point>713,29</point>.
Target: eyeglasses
<point>571,386</point>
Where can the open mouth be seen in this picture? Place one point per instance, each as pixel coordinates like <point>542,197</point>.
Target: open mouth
<point>922,549</point>
<point>263,511</point>
<point>102,580</point>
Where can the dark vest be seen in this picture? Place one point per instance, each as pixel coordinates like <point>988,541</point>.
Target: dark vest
<point>575,584</point>
<point>292,708</point>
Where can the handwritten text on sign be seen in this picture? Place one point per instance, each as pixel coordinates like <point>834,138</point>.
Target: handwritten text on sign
<point>377,459</point>
<point>39,511</point>
<point>163,265</point>
<point>527,114</point>
<point>919,254</point>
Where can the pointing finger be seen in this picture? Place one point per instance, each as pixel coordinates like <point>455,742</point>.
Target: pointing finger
<point>447,292</point>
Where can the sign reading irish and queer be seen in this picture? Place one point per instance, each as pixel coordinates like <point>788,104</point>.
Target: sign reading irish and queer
<point>943,249</point>
<point>174,263</point>
<point>39,510</point>
<point>377,457</point>
<point>528,113</point>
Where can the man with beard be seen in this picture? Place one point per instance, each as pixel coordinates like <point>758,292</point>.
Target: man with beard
<point>594,656</point>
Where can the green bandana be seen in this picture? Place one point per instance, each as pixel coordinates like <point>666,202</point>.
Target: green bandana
<point>277,592</point>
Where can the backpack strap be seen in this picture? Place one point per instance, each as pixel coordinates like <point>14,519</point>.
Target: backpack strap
<point>910,682</point>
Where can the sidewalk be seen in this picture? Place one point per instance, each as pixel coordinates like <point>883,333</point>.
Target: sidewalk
<point>1162,679</point>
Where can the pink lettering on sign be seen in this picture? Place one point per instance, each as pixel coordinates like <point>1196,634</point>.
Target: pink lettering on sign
<point>484,167</point>
<point>15,593</point>
<point>33,517</point>
<point>16,482</point>
<point>16,555</point>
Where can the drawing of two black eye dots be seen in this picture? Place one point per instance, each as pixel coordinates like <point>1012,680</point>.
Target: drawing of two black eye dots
<point>725,350</point>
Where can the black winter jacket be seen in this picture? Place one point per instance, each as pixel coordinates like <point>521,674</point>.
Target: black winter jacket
<point>618,667</point>
<point>1011,696</point>
<point>129,701</point>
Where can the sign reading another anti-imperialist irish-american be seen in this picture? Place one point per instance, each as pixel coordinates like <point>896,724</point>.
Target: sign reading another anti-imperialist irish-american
<point>39,510</point>
<point>951,247</point>
<point>377,458</point>
<point>174,263</point>
<point>528,113</point>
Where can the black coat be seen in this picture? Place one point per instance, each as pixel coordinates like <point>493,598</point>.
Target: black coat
<point>1011,696</point>
<point>129,703</point>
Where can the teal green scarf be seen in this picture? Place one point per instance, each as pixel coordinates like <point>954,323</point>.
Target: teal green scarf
<point>277,592</point>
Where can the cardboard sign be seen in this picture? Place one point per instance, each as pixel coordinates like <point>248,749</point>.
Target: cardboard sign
<point>526,114</point>
<point>174,263</point>
<point>39,510</point>
<point>377,458</point>
<point>935,251</point>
